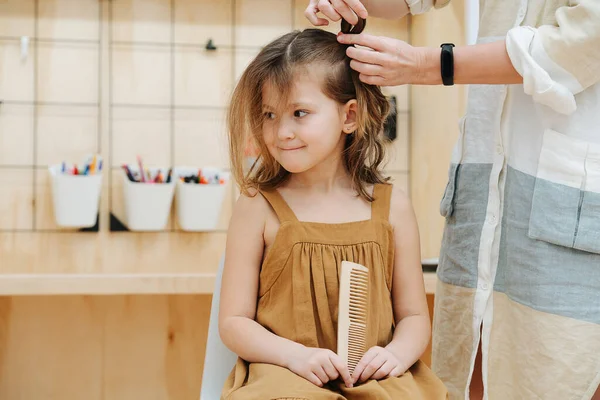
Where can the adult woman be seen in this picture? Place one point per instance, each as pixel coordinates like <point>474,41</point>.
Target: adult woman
<point>520,261</point>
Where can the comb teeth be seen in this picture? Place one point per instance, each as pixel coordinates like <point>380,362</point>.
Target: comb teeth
<point>352,318</point>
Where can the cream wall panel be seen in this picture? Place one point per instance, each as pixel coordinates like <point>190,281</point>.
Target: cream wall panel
<point>260,21</point>
<point>203,78</point>
<point>436,111</point>
<point>400,179</point>
<point>398,29</point>
<point>16,135</point>
<point>141,20</point>
<point>402,96</point>
<point>200,138</point>
<point>66,133</point>
<point>16,74</point>
<point>141,75</point>
<point>69,19</point>
<point>397,151</point>
<point>196,21</point>
<point>44,214</point>
<point>243,58</point>
<point>17,18</point>
<point>68,72</point>
<point>143,132</point>
<point>16,199</point>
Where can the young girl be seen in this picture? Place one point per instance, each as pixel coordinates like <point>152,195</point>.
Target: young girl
<point>314,198</point>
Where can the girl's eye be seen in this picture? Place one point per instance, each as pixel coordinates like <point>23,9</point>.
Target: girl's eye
<point>269,115</point>
<point>299,113</point>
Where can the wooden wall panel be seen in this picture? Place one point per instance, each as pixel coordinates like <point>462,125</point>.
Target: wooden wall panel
<point>102,347</point>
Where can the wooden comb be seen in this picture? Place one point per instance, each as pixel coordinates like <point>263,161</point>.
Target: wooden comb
<point>352,313</point>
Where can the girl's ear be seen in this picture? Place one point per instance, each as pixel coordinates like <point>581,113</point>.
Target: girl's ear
<point>350,118</point>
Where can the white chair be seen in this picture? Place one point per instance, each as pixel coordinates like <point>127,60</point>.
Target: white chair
<point>219,360</point>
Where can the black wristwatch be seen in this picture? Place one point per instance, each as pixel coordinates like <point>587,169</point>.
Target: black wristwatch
<point>447,64</point>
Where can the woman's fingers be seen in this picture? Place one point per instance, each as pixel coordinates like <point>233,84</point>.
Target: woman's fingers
<point>328,10</point>
<point>363,39</point>
<point>335,10</point>
<point>365,55</point>
<point>366,69</point>
<point>311,14</point>
<point>344,10</point>
<point>358,7</point>
<point>373,80</point>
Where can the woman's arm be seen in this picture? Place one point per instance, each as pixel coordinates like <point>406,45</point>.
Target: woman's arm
<point>486,63</point>
<point>392,62</point>
<point>239,292</point>
<point>554,62</point>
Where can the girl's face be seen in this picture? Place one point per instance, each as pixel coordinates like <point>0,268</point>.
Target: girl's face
<point>310,129</point>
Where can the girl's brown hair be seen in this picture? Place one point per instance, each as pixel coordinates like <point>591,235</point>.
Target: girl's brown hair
<point>277,63</point>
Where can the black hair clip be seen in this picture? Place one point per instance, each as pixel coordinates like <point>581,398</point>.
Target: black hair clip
<point>354,29</point>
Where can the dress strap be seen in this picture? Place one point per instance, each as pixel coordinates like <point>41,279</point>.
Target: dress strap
<point>380,207</point>
<point>279,205</point>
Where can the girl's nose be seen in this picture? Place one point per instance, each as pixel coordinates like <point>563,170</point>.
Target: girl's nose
<point>285,131</point>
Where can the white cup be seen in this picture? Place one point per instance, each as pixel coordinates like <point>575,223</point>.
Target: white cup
<point>199,205</point>
<point>147,205</point>
<point>75,198</point>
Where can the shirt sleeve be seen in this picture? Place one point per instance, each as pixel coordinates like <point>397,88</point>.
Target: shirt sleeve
<point>421,6</point>
<point>559,61</point>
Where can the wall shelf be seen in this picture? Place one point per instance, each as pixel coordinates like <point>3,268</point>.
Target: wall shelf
<point>122,284</point>
<point>105,284</point>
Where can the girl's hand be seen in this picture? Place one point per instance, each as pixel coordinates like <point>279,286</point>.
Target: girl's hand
<point>389,62</point>
<point>335,10</point>
<point>319,366</point>
<point>377,363</point>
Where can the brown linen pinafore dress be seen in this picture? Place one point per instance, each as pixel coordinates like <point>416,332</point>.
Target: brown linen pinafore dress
<point>298,300</point>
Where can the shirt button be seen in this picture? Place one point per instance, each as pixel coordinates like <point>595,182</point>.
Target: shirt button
<point>484,286</point>
<point>499,149</point>
<point>492,219</point>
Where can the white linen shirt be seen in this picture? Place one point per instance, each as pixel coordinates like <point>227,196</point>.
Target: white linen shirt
<point>519,268</point>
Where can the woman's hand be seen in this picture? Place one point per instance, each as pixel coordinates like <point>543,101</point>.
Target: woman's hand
<point>391,62</point>
<point>319,366</point>
<point>335,10</point>
<point>377,363</point>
